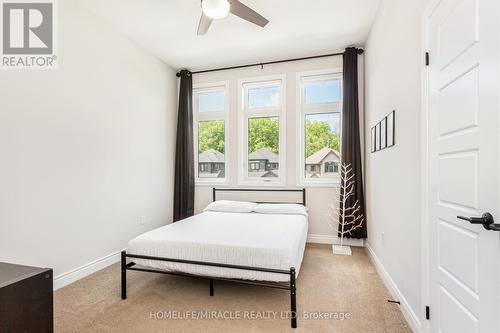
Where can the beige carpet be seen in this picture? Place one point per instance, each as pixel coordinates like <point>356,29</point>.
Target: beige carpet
<point>331,285</point>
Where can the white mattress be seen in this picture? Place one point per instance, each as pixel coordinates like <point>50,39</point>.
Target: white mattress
<point>248,239</point>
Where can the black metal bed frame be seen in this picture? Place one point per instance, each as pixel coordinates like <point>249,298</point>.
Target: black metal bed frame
<point>291,272</point>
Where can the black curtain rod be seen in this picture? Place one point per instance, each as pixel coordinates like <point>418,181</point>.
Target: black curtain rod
<point>262,64</point>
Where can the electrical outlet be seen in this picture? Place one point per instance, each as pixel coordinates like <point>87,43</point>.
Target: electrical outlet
<point>142,220</point>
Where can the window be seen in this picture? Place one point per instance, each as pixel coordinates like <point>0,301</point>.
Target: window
<point>254,166</point>
<point>319,114</point>
<point>263,146</point>
<point>210,130</point>
<point>211,101</point>
<point>263,97</point>
<point>262,128</point>
<point>320,92</point>
<point>331,167</point>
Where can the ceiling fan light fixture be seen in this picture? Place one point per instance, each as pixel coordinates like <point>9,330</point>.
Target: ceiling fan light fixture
<point>215,9</point>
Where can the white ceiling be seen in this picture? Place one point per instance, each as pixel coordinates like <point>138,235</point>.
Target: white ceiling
<point>167,29</point>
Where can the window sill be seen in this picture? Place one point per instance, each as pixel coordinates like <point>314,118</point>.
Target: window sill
<point>211,183</point>
<point>326,184</point>
<point>248,183</point>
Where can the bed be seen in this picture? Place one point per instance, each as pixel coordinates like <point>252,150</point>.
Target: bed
<point>258,243</point>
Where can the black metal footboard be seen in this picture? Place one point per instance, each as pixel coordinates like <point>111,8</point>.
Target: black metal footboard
<point>291,287</point>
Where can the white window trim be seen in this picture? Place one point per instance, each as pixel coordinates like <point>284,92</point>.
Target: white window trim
<point>208,116</point>
<point>244,114</point>
<point>302,77</point>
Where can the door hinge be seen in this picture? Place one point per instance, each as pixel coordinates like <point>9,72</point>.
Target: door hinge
<point>427,312</point>
<point>427,61</point>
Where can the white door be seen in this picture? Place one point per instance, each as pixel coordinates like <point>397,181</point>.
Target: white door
<point>463,151</point>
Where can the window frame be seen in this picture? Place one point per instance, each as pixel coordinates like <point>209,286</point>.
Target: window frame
<point>245,113</point>
<point>312,109</point>
<point>211,116</point>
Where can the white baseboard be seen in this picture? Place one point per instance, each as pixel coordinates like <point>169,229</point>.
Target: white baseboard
<point>78,273</point>
<point>330,239</point>
<point>409,314</point>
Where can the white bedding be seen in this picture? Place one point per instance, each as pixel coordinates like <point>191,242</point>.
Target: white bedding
<point>247,239</point>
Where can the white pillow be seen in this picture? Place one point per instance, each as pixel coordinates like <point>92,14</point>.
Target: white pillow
<point>230,206</point>
<point>281,209</point>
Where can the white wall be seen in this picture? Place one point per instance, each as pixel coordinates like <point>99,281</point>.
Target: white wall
<point>393,64</point>
<point>319,199</point>
<point>86,149</point>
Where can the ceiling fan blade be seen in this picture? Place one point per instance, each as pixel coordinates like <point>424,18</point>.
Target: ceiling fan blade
<point>204,24</point>
<point>247,13</point>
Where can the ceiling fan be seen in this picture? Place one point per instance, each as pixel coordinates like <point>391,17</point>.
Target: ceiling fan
<point>218,9</point>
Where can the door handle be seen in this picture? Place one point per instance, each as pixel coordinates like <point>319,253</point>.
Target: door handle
<point>486,220</point>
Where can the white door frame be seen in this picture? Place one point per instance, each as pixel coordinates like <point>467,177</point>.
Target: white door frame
<point>424,173</point>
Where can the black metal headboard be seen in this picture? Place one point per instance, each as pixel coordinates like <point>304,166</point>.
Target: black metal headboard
<point>303,190</point>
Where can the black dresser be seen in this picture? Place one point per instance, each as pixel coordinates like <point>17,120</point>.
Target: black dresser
<point>26,301</point>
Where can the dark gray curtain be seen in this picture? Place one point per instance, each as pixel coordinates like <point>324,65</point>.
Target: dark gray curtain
<point>184,151</point>
<point>351,144</point>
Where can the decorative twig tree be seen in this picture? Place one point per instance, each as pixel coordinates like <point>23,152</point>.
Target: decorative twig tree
<point>343,218</point>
